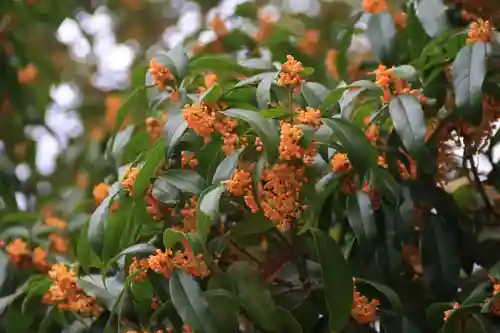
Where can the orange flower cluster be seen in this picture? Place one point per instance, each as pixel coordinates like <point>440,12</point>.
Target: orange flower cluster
<point>331,63</point>
<point>188,160</point>
<point>309,116</point>
<point>279,196</point>
<point>308,44</point>
<point>447,313</point>
<point>100,192</point>
<point>160,74</point>
<point>375,6</point>
<point>290,72</point>
<point>290,147</point>
<point>165,262</point>
<point>219,27</point>
<point>129,178</point>
<point>66,295</point>
<point>19,253</point>
<point>362,311</point>
<point>204,120</point>
<point>59,243</point>
<point>27,75</point>
<point>340,163</point>
<point>188,214</point>
<point>392,85</point>
<point>399,18</point>
<point>112,104</point>
<point>154,127</point>
<point>480,31</point>
<point>152,204</point>
<point>265,28</point>
<point>136,265</point>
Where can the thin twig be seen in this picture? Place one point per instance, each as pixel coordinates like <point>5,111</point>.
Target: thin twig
<point>242,251</point>
<point>480,188</point>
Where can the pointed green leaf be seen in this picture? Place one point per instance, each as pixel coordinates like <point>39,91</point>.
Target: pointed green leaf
<point>381,32</point>
<point>409,121</point>
<point>432,14</point>
<point>185,180</point>
<point>226,168</point>
<point>361,218</point>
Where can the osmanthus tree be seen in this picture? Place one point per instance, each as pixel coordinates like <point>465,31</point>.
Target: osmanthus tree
<point>293,193</point>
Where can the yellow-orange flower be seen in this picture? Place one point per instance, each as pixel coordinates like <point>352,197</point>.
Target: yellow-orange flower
<point>165,262</point>
<point>289,147</point>
<point>362,311</point>
<point>19,252</point>
<point>160,74</point>
<point>308,44</point>
<point>154,127</point>
<point>66,295</point>
<point>340,163</point>
<point>27,75</point>
<point>219,27</point>
<point>129,178</point>
<point>59,243</point>
<point>40,259</point>
<point>136,265</point>
<point>209,80</point>
<point>201,119</point>
<point>188,160</point>
<point>331,63</point>
<point>188,214</point>
<point>309,116</point>
<point>480,31</point>
<point>290,72</point>
<point>100,192</point>
<point>266,27</point>
<point>375,6</point>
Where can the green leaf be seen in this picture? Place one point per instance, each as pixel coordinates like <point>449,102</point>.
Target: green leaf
<point>6,301</point>
<point>279,112</point>
<point>362,154</point>
<point>440,259</point>
<point>390,294</point>
<point>173,131</point>
<point>254,224</point>
<point>405,72</point>
<point>381,32</point>
<point>361,218</point>
<point>107,291</point>
<point>432,15</point>
<point>247,10</point>
<point>469,71</point>
<point>263,127</point>
<point>334,96</point>
<point>165,192</point>
<point>226,168</point>
<point>180,61</point>
<point>255,296</point>
<point>141,248</point>
<point>225,307</point>
<point>218,64</point>
<point>212,94</point>
<point>454,322</point>
<point>314,93</point>
<point>337,279</point>
<point>409,121</point>
<point>256,78</point>
<point>185,180</point>
<point>291,325</point>
<point>172,237</point>
<point>84,254</point>
<point>264,91</point>
<point>190,303</point>
<point>4,271</point>
<point>152,161</point>
<point>207,210</point>
<point>96,225</point>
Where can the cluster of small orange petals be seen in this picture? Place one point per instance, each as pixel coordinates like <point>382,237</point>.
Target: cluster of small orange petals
<point>280,195</point>
<point>240,183</point>
<point>362,311</point>
<point>495,283</point>
<point>188,214</point>
<point>308,44</point>
<point>375,6</point>
<point>226,127</point>
<point>340,163</point>
<point>480,31</point>
<point>331,63</point>
<point>19,252</point>
<point>447,313</point>
<point>372,194</point>
<point>209,80</point>
<point>188,160</point>
<point>66,295</point>
<point>290,148</point>
<point>129,178</point>
<point>60,244</point>
<point>160,74</point>
<point>40,259</point>
<point>399,18</point>
<point>309,116</point>
<point>265,28</point>
<point>392,85</point>
<point>219,27</point>
<point>27,75</point>
<point>290,72</point>
<point>165,262</point>
<point>259,145</point>
<point>154,127</point>
<point>100,192</point>
<point>112,104</point>
<point>201,119</point>
<point>136,265</point>
<point>152,205</point>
